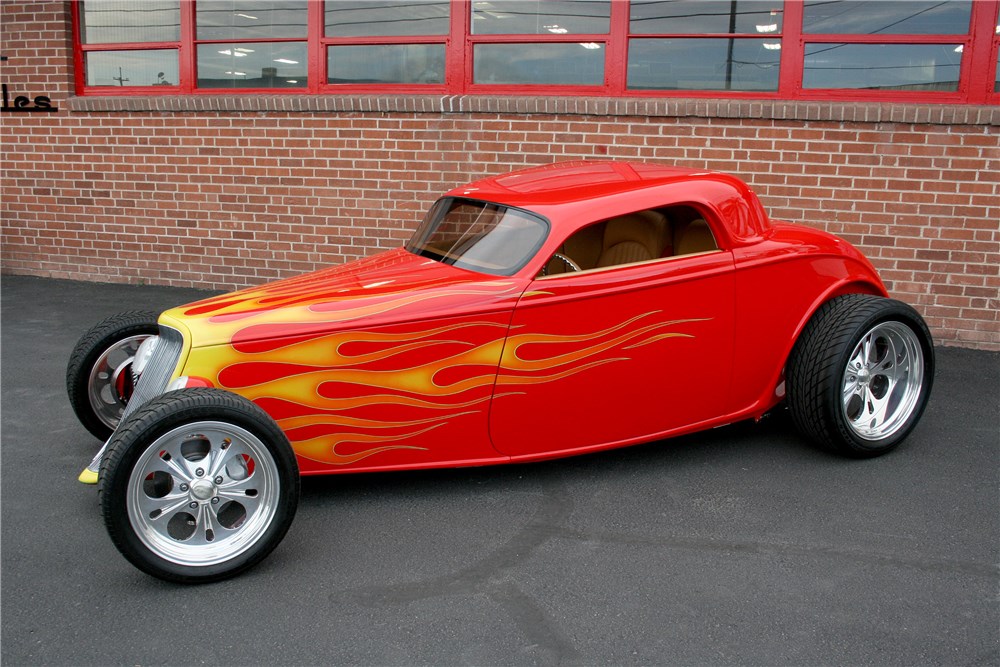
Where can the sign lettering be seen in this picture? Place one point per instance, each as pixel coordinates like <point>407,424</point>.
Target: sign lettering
<point>23,104</point>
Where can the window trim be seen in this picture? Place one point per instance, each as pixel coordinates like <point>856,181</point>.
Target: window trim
<point>80,50</point>
<point>976,82</point>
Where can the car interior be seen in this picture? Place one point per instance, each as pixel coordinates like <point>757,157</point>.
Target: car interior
<point>633,238</point>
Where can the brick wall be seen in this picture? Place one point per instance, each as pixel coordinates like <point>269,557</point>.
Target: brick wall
<point>228,192</point>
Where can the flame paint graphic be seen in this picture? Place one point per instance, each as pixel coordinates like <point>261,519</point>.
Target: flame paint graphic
<point>344,396</point>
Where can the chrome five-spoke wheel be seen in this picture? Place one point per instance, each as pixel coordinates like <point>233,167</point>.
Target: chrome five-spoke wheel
<point>99,377</point>
<point>883,380</point>
<point>111,382</point>
<point>860,375</point>
<point>198,485</point>
<point>203,493</point>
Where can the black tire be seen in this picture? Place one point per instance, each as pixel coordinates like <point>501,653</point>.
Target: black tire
<point>95,398</point>
<point>198,485</point>
<point>840,407</point>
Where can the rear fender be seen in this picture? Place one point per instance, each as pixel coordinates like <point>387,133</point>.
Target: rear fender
<point>777,383</point>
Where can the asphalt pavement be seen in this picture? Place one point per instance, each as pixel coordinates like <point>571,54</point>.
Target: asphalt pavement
<point>739,546</point>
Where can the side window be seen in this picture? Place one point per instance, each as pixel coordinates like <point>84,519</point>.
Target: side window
<point>634,238</point>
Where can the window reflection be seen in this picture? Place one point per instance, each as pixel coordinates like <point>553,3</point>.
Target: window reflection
<point>703,64</point>
<point>882,66</point>
<point>252,65</point>
<point>386,18</point>
<point>699,17</point>
<point>246,19</point>
<point>129,22</point>
<point>554,64</point>
<point>541,17</point>
<point>861,17</point>
<point>478,236</point>
<point>386,63</point>
<point>154,67</point>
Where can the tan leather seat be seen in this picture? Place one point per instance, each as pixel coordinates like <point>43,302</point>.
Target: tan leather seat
<point>636,237</point>
<point>696,236</point>
<point>584,248</point>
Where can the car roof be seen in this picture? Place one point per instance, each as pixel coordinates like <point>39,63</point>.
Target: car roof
<point>571,195</point>
<point>575,182</point>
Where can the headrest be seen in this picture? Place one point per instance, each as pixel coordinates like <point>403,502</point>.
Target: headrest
<point>647,228</point>
<point>696,236</point>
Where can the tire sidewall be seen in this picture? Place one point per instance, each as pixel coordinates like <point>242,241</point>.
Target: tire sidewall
<point>141,430</point>
<point>889,310</point>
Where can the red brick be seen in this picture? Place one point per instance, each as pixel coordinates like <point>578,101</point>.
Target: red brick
<point>250,197</point>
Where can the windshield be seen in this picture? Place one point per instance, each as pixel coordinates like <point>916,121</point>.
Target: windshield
<point>479,236</point>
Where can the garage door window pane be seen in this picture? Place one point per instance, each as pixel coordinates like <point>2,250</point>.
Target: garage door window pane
<point>129,22</point>
<point>882,66</point>
<point>549,64</point>
<point>252,65</point>
<point>156,67</point>
<point>860,17</point>
<point>386,63</point>
<point>703,64</point>
<point>541,17</point>
<point>386,18</point>
<point>243,19</point>
<point>700,17</point>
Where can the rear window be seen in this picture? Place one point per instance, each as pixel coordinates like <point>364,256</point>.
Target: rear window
<point>479,236</point>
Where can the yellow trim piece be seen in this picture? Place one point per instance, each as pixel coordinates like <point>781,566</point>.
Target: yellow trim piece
<point>88,476</point>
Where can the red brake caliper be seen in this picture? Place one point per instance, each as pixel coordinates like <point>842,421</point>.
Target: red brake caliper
<point>124,384</point>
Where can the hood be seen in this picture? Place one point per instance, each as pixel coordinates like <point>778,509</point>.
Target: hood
<point>387,288</point>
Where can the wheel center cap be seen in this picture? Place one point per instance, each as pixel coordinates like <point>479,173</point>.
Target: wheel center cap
<point>864,376</point>
<point>202,489</point>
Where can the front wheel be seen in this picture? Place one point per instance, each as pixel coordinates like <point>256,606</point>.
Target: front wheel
<point>99,378</point>
<point>860,374</point>
<point>198,485</point>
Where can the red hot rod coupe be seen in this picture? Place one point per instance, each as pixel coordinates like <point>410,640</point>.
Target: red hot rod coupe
<point>542,313</point>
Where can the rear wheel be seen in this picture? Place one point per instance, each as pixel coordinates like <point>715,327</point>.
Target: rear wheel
<point>860,375</point>
<point>198,485</point>
<point>99,378</point>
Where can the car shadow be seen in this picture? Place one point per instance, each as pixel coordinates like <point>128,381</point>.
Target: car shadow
<point>773,437</point>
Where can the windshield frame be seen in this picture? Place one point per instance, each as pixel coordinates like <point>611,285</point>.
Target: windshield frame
<point>417,243</point>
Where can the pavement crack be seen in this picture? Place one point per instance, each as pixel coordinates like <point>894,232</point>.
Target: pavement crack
<point>547,521</point>
<point>786,549</point>
<point>536,626</point>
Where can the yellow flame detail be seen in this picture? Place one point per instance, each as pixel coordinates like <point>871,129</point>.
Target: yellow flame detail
<point>501,354</point>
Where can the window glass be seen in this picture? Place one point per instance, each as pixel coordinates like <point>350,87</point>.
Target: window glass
<point>386,18</point>
<point>882,66</point>
<point>704,64</point>
<point>251,19</point>
<point>386,63</point>
<point>567,64</point>
<point>541,17</point>
<point>153,67</point>
<point>479,236</point>
<point>895,17</point>
<point>252,65</point>
<point>699,17</point>
<point>128,22</point>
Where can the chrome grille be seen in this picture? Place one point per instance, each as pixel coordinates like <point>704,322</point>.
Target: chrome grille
<point>156,376</point>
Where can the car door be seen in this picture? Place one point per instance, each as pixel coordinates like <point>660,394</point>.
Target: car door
<point>608,356</point>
